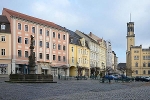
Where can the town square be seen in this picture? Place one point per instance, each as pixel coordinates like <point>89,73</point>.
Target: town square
<point>74,50</point>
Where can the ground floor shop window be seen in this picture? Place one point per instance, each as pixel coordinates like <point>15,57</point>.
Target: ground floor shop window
<point>44,71</point>
<point>3,70</point>
<point>54,71</point>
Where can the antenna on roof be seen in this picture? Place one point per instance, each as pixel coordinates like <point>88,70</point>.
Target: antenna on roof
<point>130,17</point>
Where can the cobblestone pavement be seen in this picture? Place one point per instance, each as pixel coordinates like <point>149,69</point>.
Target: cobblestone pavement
<point>75,90</point>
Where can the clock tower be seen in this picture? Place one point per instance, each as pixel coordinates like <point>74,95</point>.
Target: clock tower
<point>130,35</point>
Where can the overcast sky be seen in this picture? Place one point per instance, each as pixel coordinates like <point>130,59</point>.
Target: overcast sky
<point>104,18</point>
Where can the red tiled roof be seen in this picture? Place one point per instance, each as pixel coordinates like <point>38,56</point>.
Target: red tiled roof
<point>30,18</point>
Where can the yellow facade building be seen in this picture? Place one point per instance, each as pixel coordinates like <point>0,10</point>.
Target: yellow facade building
<point>137,58</point>
<point>79,56</point>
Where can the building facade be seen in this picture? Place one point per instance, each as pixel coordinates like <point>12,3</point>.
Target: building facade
<point>109,55</point>
<point>102,50</point>
<point>51,43</point>
<point>137,58</point>
<point>94,52</point>
<point>5,46</point>
<point>79,55</point>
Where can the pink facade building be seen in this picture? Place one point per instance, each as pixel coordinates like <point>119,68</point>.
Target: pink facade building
<point>51,44</point>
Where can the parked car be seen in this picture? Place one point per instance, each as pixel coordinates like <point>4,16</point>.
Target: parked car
<point>111,77</point>
<point>146,79</point>
<point>142,78</point>
<point>138,78</point>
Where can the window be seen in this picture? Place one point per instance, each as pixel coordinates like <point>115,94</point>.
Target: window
<point>3,27</point>
<point>3,52</point>
<point>136,71</point>
<point>58,36</point>
<point>144,72</point>
<point>40,55</point>
<point>64,37</point>
<point>144,64</point>
<point>19,53</point>
<point>72,59</point>
<point>71,40</point>
<point>19,39</point>
<point>2,38</point>
<point>64,48</point>
<point>54,57</point>
<point>40,43</point>
<point>47,56</point>
<point>47,33</point>
<point>59,47</point>
<point>136,64</point>
<point>59,58</point>
<point>149,72</point>
<point>53,34</point>
<point>26,54</point>
<point>47,44</point>
<point>72,49</point>
<point>64,58</point>
<point>33,29</point>
<point>136,57</point>
<point>41,31</point>
<point>149,64</point>
<point>19,26</point>
<point>26,40</point>
<point>54,46</point>
<point>26,27</point>
<point>143,57</point>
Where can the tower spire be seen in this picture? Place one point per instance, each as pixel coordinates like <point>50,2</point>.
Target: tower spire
<point>130,17</point>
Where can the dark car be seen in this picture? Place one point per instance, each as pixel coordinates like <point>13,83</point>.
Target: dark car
<point>138,78</point>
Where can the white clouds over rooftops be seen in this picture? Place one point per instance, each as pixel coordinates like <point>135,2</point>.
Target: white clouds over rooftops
<point>104,18</point>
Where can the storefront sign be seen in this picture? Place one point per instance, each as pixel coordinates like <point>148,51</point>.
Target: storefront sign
<point>3,65</point>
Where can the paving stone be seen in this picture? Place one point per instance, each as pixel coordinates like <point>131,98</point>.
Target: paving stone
<point>75,90</point>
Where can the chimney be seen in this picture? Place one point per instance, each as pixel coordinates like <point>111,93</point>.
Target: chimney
<point>90,33</point>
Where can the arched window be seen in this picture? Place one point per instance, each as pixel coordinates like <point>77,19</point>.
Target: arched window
<point>144,72</point>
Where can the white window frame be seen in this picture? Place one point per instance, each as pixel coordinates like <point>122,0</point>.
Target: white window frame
<point>26,40</point>
<point>20,40</point>
<point>34,29</point>
<point>3,38</point>
<point>40,43</point>
<point>40,31</point>
<point>19,26</point>
<point>25,54</point>
<point>47,44</point>
<point>3,26</point>
<point>3,52</point>
<point>40,57</point>
<point>25,28</point>
<point>47,56</point>
<point>47,32</point>
<point>18,53</point>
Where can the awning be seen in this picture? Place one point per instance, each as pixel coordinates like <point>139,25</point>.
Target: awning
<point>44,67</point>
